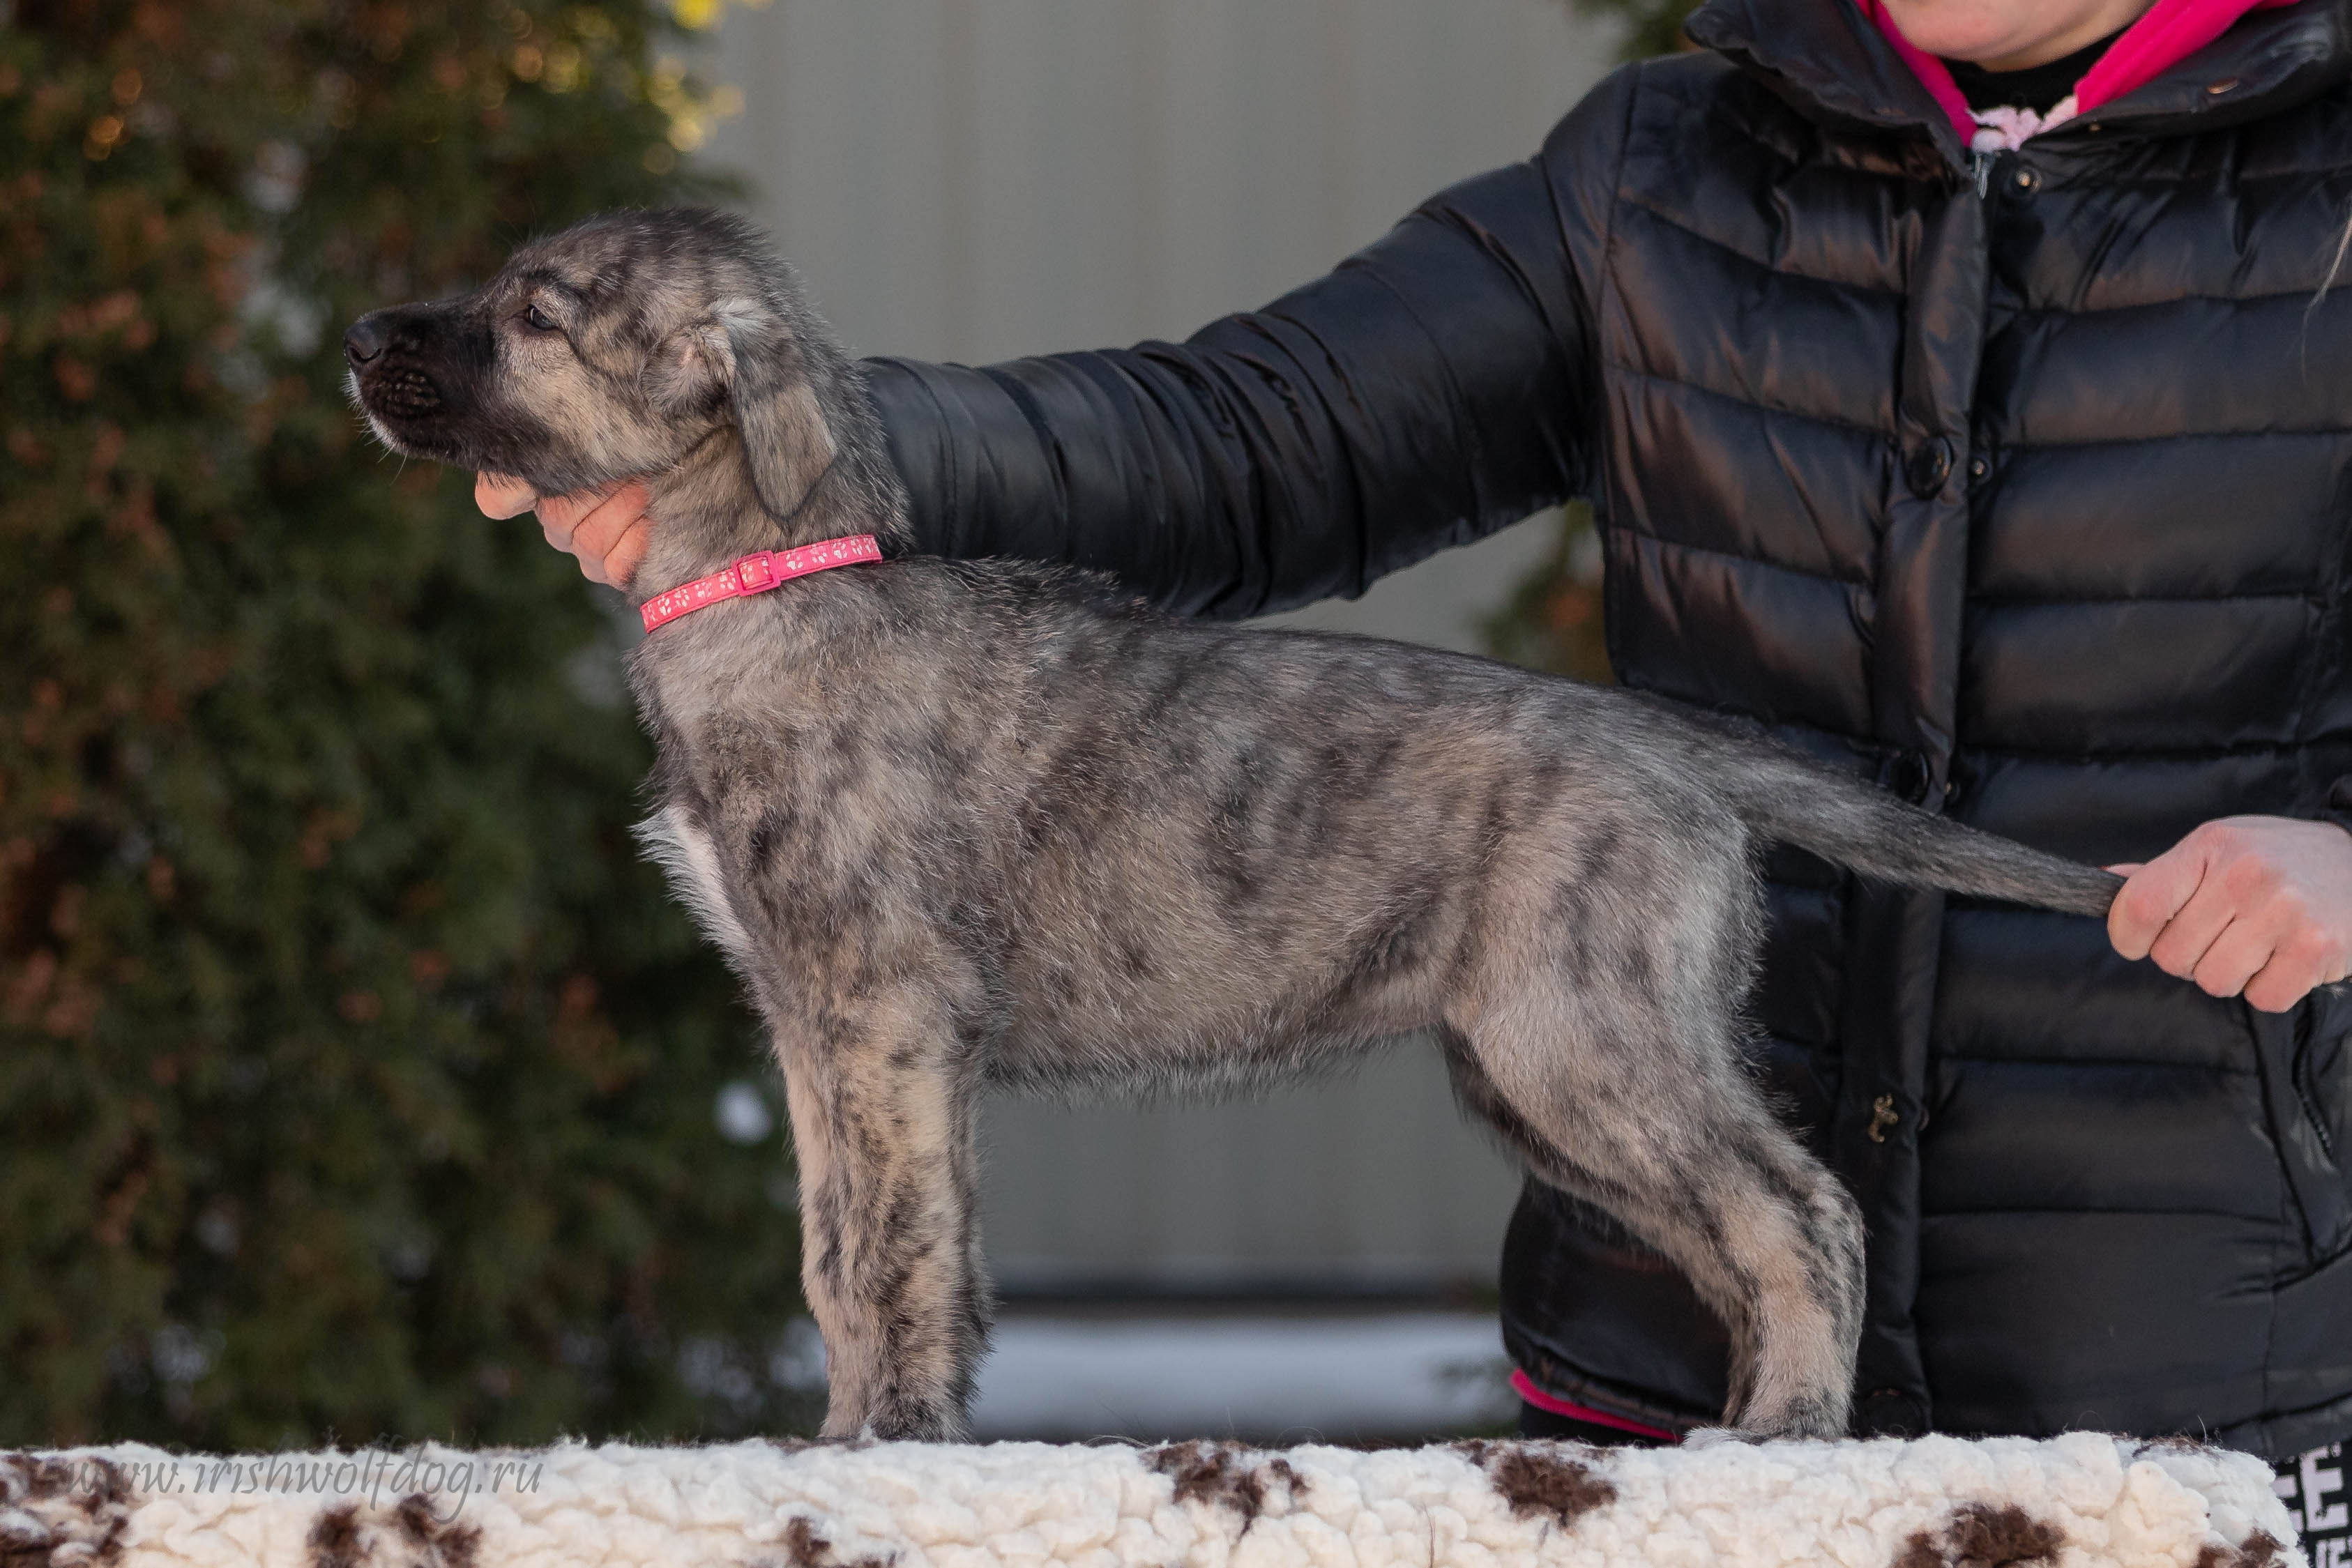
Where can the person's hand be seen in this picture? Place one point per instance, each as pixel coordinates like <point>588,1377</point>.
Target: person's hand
<point>2258,906</point>
<point>605,529</point>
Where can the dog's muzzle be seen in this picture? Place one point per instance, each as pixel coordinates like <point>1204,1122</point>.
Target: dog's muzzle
<point>365,340</point>
<point>390,386</point>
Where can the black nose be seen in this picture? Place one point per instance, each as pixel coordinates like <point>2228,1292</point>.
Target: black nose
<point>366,339</point>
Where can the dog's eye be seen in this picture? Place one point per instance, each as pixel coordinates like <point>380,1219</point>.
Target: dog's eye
<point>540,318</point>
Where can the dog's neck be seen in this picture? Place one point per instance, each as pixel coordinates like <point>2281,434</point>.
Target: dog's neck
<point>705,513</point>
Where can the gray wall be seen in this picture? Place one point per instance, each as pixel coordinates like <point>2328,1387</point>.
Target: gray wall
<point>979,179</point>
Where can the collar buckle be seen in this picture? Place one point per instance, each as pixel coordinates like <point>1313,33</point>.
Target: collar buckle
<point>756,572</point>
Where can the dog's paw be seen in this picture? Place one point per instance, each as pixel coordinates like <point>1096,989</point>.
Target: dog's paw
<point>1716,1437</point>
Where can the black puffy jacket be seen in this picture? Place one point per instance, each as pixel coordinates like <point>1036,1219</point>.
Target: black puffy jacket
<point>2023,484</point>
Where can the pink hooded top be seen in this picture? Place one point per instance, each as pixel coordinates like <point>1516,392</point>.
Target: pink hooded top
<point>2170,32</point>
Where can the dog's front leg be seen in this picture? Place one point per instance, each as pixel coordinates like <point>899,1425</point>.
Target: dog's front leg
<point>882,1129</point>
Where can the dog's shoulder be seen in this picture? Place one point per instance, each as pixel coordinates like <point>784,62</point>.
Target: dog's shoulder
<point>1014,584</point>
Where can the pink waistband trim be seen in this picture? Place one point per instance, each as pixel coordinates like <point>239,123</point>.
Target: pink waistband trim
<point>1524,1386</point>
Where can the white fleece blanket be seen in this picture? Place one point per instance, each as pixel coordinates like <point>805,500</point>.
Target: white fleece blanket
<point>1937,1503</point>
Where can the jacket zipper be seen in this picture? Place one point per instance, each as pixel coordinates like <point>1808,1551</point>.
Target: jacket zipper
<point>1980,164</point>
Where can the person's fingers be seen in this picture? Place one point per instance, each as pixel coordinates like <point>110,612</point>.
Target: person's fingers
<point>2181,946</point>
<point>566,513</point>
<point>628,552</point>
<point>561,519</point>
<point>601,527</point>
<point>501,496</point>
<point>2151,896</point>
<point>599,535</point>
<point>2235,956</point>
<point>605,529</point>
<point>2298,964</point>
<point>2253,907</point>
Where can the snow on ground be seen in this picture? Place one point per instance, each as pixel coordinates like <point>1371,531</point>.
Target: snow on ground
<point>1343,1377</point>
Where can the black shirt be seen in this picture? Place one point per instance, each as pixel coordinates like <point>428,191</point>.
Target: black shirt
<point>2037,87</point>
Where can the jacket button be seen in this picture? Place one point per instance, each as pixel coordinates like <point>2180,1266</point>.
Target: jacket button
<point>1928,466</point>
<point>1980,467</point>
<point>1913,777</point>
<point>2027,182</point>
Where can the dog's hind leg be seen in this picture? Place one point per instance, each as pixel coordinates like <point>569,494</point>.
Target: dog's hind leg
<point>1602,1038</point>
<point>882,1129</point>
<point>1767,1238</point>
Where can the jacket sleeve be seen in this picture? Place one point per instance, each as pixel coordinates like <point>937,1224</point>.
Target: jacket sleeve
<point>1437,386</point>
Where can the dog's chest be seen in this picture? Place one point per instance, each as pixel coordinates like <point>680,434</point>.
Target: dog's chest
<point>673,840</point>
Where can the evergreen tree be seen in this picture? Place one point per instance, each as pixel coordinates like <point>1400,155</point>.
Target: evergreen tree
<point>356,1078</point>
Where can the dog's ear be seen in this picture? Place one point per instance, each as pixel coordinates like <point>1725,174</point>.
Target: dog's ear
<point>742,355</point>
<point>691,372</point>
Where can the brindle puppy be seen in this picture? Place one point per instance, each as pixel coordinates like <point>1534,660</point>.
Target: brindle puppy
<point>969,824</point>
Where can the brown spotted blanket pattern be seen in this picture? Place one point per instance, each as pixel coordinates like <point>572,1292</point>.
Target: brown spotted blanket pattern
<point>2075,1501</point>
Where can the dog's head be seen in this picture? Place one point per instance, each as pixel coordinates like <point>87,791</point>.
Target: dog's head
<point>617,349</point>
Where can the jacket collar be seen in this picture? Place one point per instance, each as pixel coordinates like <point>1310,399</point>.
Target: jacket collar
<point>1829,58</point>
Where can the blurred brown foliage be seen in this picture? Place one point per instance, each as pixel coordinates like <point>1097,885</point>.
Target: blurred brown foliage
<point>1552,620</point>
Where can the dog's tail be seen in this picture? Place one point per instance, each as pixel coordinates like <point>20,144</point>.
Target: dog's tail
<point>1789,798</point>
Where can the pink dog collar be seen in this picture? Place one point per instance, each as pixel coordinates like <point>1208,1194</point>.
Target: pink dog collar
<point>756,573</point>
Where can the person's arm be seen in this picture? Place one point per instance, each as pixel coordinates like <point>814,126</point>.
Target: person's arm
<point>1434,387</point>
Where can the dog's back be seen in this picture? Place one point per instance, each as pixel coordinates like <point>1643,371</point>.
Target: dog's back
<point>964,821</point>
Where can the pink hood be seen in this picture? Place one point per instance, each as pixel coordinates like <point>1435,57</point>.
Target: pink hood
<point>2171,32</point>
